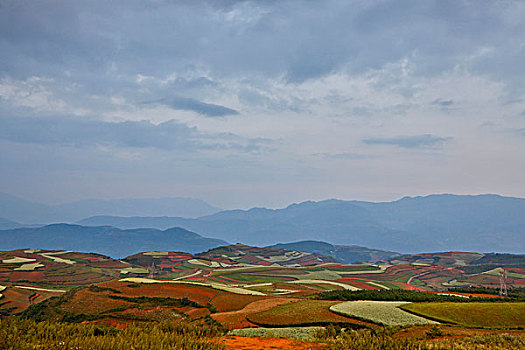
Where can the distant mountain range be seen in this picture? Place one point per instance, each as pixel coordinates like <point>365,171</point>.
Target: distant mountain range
<point>15,209</point>
<point>106,240</point>
<point>344,254</point>
<point>485,223</point>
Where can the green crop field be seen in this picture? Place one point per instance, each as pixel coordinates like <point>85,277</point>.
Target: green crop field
<point>486,315</point>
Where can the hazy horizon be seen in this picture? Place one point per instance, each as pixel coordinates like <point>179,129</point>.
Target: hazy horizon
<point>256,205</point>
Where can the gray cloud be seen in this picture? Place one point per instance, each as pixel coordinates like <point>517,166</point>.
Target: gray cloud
<point>190,104</point>
<point>411,142</point>
<point>443,103</point>
<point>170,135</point>
<point>271,38</point>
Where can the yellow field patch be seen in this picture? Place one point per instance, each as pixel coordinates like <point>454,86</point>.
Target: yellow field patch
<point>18,260</point>
<point>28,267</point>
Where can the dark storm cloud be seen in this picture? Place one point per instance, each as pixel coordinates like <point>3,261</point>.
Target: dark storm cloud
<point>169,135</point>
<point>412,142</point>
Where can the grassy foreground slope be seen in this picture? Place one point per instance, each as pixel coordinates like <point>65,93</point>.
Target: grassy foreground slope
<point>17,333</point>
<point>487,315</point>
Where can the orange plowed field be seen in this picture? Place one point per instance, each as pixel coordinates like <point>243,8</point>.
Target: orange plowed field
<point>238,319</point>
<point>26,276</point>
<point>262,343</point>
<point>199,294</point>
<point>225,301</point>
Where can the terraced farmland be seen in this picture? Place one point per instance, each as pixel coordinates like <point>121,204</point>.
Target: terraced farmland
<point>487,315</point>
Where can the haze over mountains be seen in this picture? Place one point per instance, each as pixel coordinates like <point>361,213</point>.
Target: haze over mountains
<point>16,209</point>
<point>483,223</point>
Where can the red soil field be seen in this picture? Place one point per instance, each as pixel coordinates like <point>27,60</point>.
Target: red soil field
<point>237,319</point>
<point>225,301</point>
<point>199,294</point>
<point>27,276</point>
<point>262,343</point>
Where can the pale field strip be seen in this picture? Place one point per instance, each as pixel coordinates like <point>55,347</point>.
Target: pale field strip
<point>133,270</point>
<point>144,280</point>
<point>454,295</point>
<point>242,267</point>
<point>42,289</point>
<point>376,284</point>
<point>455,283</point>
<point>156,253</point>
<point>52,256</point>
<point>188,276</point>
<point>204,263</point>
<point>283,291</point>
<point>326,275</point>
<point>299,333</point>
<point>32,251</point>
<point>382,269</point>
<point>345,286</point>
<point>498,270</point>
<point>287,256</point>
<point>236,290</point>
<point>382,312</point>
<point>258,285</point>
<point>28,267</point>
<point>18,260</point>
<point>2,288</point>
<point>59,252</point>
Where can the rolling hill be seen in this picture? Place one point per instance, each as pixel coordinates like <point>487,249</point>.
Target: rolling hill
<point>105,239</point>
<point>344,254</point>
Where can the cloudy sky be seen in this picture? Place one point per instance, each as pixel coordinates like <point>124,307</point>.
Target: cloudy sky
<point>261,103</point>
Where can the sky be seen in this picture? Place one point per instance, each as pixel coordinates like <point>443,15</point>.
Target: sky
<point>261,103</point>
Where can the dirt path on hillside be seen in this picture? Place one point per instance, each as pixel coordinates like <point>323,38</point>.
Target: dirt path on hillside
<point>237,319</point>
<point>417,276</point>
